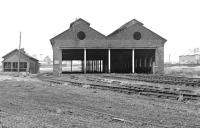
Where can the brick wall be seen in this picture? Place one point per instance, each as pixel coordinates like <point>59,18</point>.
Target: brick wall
<point>57,60</point>
<point>96,40</point>
<point>159,66</point>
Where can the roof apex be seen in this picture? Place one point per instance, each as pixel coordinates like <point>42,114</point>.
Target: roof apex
<point>79,20</point>
<point>132,22</point>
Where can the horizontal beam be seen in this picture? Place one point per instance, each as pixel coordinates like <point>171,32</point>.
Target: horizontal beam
<point>107,48</point>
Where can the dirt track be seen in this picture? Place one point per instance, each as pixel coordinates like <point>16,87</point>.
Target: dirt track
<point>30,103</point>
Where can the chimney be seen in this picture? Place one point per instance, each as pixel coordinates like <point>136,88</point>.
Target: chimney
<point>22,50</point>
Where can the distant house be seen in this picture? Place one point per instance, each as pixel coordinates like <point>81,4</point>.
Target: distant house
<point>26,62</point>
<point>189,59</point>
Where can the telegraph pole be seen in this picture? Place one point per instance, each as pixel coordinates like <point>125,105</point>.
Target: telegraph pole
<point>19,51</point>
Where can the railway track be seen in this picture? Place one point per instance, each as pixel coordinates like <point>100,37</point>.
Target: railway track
<point>110,115</point>
<point>164,79</point>
<point>153,91</point>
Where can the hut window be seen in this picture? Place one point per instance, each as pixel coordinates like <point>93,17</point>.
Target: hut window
<point>15,66</point>
<point>7,66</point>
<point>137,35</point>
<point>23,66</point>
<point>81,35</point>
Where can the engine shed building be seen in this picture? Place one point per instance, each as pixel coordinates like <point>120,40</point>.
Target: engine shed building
<point>132,48</point>
<point>26,63</point>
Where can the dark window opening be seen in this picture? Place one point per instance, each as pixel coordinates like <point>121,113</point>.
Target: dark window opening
<point>137,35</point>
<point>81,35</point>
<point>15,66</point>
<point>7,66</point>
<point>22,66</point>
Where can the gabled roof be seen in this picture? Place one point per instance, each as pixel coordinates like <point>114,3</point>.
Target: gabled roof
<point>77,21</point>
<point>73,23</point>
<point>21,52</point>
<point>131,23</point>
<point>125,26</point>
<point>122,28</point>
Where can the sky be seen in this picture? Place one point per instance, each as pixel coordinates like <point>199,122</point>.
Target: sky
<point>178,21</point>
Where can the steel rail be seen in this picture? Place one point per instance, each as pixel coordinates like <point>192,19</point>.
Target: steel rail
<point>195,82</point>
<point>142,90</point>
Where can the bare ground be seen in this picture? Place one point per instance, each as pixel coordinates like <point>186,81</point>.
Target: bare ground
<point>188,71</point>
<point>30,103</point>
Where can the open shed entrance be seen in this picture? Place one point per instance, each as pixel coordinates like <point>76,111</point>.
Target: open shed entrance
<point>72,60</point>
<point>144,60</point>
<point>97,61</point>
<point>121,60</point>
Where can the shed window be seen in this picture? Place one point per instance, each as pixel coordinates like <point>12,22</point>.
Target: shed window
<point>81,35</point>
<point>137,35</point>
<point>15,66</point>
<point>7,66</point>
<point>23,66</point>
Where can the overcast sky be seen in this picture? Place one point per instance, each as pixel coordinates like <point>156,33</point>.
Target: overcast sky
<point>178,21</point>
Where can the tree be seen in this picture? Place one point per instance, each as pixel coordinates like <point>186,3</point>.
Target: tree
<point>47,59</point>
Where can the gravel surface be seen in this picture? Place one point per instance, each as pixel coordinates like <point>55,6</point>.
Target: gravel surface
<point>29,103</point>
